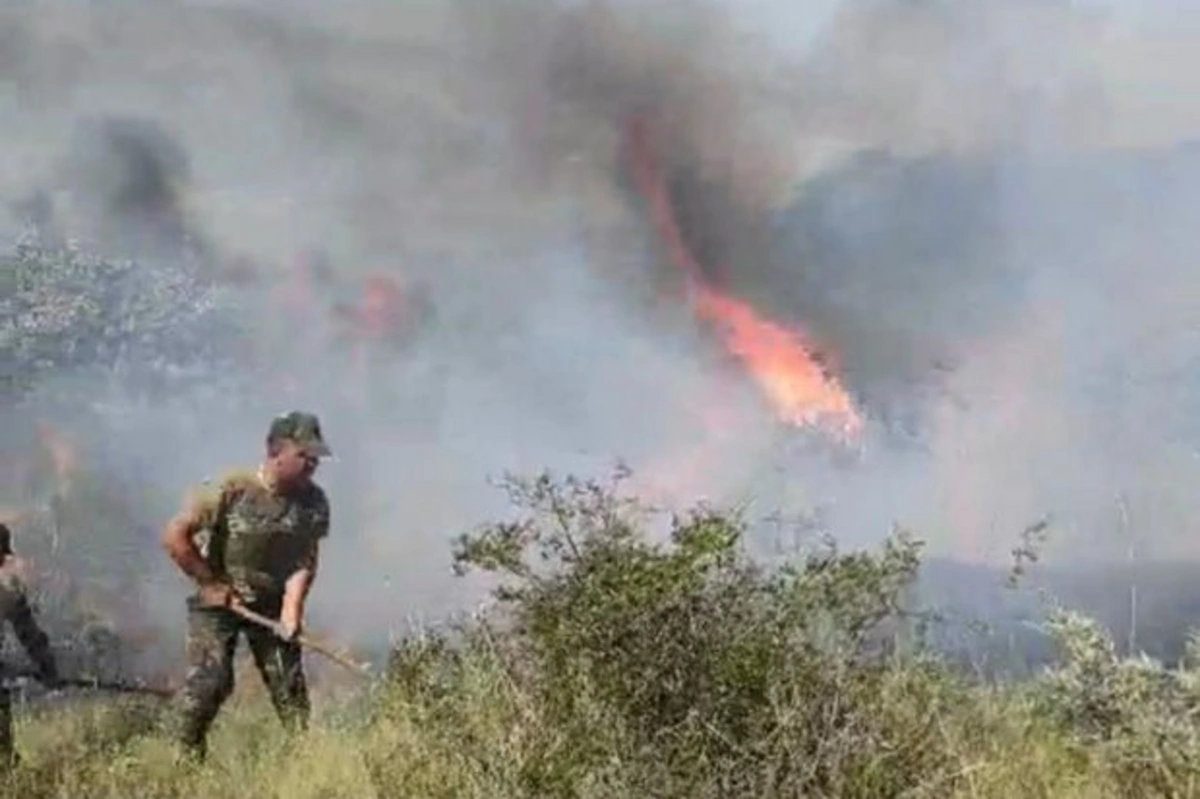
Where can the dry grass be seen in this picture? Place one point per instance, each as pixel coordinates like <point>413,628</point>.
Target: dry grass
<point>994,745</point>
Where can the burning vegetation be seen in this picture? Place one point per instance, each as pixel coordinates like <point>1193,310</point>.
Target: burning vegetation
<point>617,650</point>
<point>792,378</point>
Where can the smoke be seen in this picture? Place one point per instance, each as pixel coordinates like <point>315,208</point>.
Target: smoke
<point>979,212</point>
<point>975,252</point>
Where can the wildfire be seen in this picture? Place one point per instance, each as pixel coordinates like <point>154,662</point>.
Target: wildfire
<point>792,380</point>
<point>776,357</point>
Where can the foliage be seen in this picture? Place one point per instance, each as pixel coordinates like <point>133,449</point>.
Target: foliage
<point>62,310</point>
<point>1135,717</point>
<point>697,654</point>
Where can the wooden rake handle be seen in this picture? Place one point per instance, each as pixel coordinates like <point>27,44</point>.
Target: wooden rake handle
<point>305,641</point>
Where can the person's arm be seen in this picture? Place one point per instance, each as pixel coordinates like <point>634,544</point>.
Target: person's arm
<point>179,541</point>
<point>295,592</point>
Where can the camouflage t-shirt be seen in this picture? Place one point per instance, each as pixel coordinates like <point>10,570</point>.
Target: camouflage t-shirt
<point>256,538</point>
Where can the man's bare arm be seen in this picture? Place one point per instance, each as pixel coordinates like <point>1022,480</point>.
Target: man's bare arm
<point>178,540</point>
<point>295,591</point>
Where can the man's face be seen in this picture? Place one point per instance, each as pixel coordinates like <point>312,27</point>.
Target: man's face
<point>294,464</point>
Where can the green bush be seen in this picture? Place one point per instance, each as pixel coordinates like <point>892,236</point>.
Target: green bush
<point>1135,717</point>
<point>684,660</point>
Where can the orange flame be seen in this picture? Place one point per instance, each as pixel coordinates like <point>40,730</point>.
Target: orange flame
<point>792,380</point>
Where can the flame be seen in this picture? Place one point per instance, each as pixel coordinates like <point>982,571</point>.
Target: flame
<point>776,357</point>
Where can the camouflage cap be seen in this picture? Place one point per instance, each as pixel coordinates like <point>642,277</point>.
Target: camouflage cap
<point>302,428</point>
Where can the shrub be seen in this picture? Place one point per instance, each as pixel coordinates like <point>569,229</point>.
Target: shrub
<point>1135,717</point>
<point>698,670</point>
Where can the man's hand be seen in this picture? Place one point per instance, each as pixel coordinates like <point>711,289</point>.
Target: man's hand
<point>217,594</point>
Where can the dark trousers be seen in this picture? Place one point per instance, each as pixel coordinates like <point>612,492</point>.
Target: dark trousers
<point>8,753</point>
<point>211,643</point>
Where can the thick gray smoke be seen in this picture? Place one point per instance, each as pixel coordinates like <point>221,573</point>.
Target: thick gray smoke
<point>984,227</point>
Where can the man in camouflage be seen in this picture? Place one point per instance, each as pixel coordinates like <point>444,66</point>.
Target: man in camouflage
<point>253,540</point>
<point>15,608</point>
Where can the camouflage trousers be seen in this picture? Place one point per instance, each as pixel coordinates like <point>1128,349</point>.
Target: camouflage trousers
<point>212,640</point>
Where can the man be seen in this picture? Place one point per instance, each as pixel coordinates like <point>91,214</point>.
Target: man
<point>14,606</point>
<point>251,540</point>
